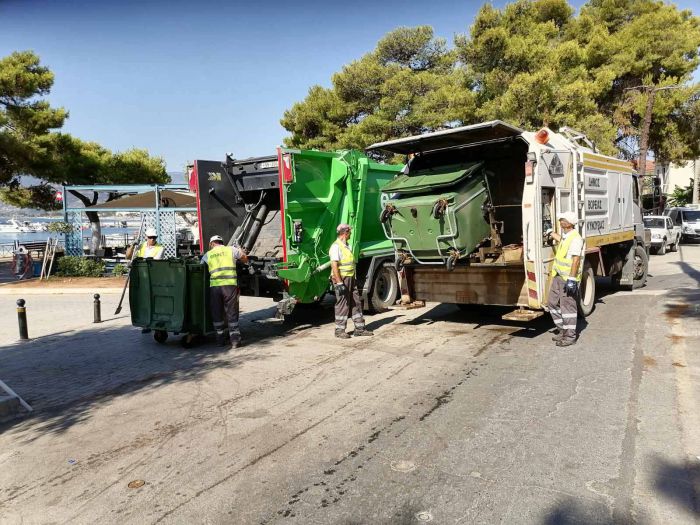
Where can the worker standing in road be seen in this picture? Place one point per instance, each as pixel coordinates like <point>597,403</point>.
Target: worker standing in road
<point>566,278</point>
<point>150,249</point>
<point>224,293</point>
<point>347,296</point>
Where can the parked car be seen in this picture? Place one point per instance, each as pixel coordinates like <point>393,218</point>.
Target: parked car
<point>687,219</point>
<point>664,234</point>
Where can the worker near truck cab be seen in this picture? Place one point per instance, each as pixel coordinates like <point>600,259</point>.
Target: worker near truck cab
<point>224,293</point>
<point>150,249</point>
<point>347,296</point>
<point>567,269</point>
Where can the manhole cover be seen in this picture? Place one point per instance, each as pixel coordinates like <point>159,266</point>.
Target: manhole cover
<point>424,516</point>
<point>403,466</point>
<point>136,484</point>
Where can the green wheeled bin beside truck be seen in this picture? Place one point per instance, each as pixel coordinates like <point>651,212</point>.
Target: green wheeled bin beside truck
<point>170,296</point>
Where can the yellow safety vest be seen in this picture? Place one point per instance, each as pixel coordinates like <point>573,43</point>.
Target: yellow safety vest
<point>149,251</point>
<point>562,264</point>
<point>222,267</point>
<point>347,261</point>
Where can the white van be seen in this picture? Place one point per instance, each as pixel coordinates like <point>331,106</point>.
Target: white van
<point>687,219</point>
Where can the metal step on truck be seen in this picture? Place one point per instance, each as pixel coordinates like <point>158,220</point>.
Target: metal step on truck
<point>467,216</point>
<point>284,209</point>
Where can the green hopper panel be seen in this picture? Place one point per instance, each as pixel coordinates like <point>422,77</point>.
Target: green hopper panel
<point>323,190</point>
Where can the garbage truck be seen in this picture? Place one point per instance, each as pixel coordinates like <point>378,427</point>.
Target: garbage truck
<point>284,210</point>
<point>468,215</point>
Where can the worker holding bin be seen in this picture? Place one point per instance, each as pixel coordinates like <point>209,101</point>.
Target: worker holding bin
<point>566,279</point>
<point>347,296</point>
<point>224,293</point>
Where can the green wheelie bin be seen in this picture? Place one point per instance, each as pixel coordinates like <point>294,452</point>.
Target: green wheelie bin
<point>170,296</point>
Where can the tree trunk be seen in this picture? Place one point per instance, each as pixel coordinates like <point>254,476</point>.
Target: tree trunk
<point>94,218</point>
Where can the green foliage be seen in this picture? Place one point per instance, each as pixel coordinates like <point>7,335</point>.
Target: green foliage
<point>60,227</point>
<point>532,63</point>
<point>681,196</point>
<point>25,118</point>
<point>30,144</point>
<point>407,85</point>
<point>74,266</point>
<point>120,269</point>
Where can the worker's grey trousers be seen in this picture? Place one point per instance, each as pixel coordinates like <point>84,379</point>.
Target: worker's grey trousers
<point>563,309</point>
<point>223,301</point>
<point>348,304</point>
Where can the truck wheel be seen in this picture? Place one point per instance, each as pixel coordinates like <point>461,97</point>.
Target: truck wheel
<point>674,246</point>
<point>586,296</point>
<point>641,267</point>
<point>160,336</point>
<point>385,288</point>
<point>662,248</point>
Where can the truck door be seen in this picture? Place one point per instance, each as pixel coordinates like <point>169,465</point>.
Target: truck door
<point>626,201</point>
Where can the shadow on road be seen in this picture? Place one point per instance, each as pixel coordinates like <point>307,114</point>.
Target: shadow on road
<point>570,511</point>
<point>65,375</point>
<point>482,316</point>
<point>678,482</point>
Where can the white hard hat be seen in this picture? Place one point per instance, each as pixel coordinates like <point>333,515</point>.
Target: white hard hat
<point>151,232</point>
<point>215,238</point>
<point>569,216</point>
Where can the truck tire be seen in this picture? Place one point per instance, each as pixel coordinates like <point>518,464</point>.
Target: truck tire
<point>641,267</point>
<point>674,246</point>
<point>586,296</point>
<point>385,288</point>
<point>662,249</point>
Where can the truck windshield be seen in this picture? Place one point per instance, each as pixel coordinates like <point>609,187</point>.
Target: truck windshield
<point>654,223</point>
<point>691,215</point>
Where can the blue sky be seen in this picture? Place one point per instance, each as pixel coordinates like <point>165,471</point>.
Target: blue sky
<point>189,79</point>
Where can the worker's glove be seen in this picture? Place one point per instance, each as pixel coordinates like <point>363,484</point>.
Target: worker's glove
<point>571,287</point>
<point>340,289</point>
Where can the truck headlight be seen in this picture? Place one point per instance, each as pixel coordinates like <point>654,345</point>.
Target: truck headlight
<point>687,229</point>
<point>655,236</point>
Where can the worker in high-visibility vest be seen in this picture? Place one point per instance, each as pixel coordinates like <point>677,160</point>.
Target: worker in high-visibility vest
<point>150,249</point>
<point>567,270</point>
<point>347,296</point>
<point>224,293</point>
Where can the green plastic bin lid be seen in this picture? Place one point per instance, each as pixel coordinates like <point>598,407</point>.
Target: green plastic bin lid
<point>432,178</point>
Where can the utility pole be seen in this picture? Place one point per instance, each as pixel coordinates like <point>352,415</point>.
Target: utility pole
<point>696,181</point>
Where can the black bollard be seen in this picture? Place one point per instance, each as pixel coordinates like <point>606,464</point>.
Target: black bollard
<point>22,319</point>
<point>98,313</point>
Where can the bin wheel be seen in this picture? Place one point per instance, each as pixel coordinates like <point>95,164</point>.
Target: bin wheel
<point>160,336</point>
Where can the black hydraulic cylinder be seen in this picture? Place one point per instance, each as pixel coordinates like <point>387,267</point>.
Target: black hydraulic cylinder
<point>22,319</point>
<point>255,227</point>
<point>97,310</point>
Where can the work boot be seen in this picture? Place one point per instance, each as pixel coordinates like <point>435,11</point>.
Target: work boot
<point>362,331</point>
<point>235,343</point>
<point>566,342</point>
<point>557,335</point>
<point>342,334</point>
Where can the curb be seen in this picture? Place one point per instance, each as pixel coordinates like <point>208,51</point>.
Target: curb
<point>20,291</point>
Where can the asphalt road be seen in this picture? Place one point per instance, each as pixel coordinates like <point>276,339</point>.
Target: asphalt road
<point>443,417</point>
